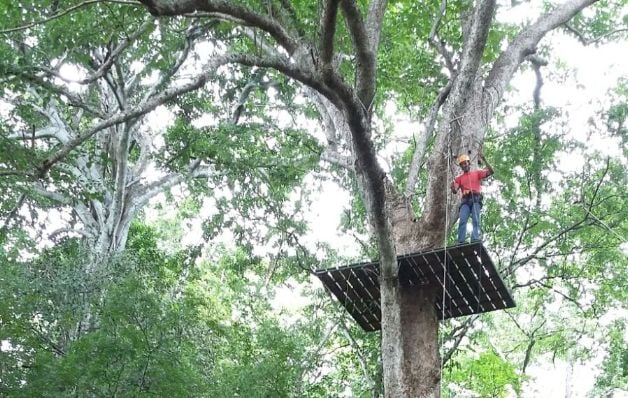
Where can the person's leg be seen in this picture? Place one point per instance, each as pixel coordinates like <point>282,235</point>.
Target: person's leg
<point>475,220</point>
<point>465,209</point>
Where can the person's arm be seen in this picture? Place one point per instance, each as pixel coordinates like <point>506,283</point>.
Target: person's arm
<point>488,166</point>
<point>454,186</point>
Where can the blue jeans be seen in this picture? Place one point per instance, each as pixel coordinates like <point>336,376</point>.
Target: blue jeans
<point>471,205</point>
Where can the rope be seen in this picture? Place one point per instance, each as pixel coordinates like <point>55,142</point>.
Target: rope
<point>479,268</point>
<point>446,264</point>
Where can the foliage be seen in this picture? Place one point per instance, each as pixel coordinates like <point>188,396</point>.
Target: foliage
<point>125,332</point>
<point>157,324</point>
<point>488,375</point>
<point>614,374</point>
<point>167,323</point>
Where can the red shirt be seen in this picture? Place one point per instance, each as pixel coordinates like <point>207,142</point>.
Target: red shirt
<point>470,182</point>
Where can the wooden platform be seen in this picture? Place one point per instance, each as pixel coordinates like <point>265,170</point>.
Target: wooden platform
<point>472,283</point>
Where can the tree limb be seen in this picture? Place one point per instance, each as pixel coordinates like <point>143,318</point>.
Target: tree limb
<point>374,23</point>
<point>110,59</point>
<point>12,214</point>
<point>335,158</point>
<point>73,99</point>
<point>437,44</point>
<point>183,56</point>
<point>328,30</point>
<point>65,12</point>
<point>473,49</point>
<point>594,40</point>
<point>458,333</point>
<point>537,62</point>
<point>422,140</point>
<point>365,57</point>
<point>142,109</point>
<point>180,7</point>
<point>46,132</point>
<point>522,45</point>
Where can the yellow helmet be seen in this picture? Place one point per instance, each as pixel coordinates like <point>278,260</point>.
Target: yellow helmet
<point>463,158</point>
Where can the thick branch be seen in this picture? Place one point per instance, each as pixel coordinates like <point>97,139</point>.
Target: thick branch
<point>437,44</point>
<point>181,7</point>
<point>374,22</point>
<point>365,57</point>
<point>525,44</point>
<point>334,89</point>
<point>421,141</point>
<point>474,45</point>
<point>140,110</point>
<point>122,169</point>
<point>110,59</point>
<point>328,30</point>
<point>335,158</point>
<point>46,132</point>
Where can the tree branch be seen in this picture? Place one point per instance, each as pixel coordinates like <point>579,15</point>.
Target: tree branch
<point>328,30</point>
<point>335,158</point>
<point>437,44</point>
<point>250,18</point>
<point>144,108</point>
<point>110,59</point>
<point>422,140</point>
<point>474,45</point>
<point>254,81</point>
<point>594,40</point>
<point>192,32</point>
<point>374,22</point>
<point>65,12</point>
<point>334,89</point>
<point>12,214</point>
<point>458,333</point>
<point>46,132</point>
<point>523,45</point>
<point>73,99</point>
<point>365,57</point>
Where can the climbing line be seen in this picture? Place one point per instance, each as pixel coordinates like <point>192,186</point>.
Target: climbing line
<point>476,209</point>
<point>445,262</point>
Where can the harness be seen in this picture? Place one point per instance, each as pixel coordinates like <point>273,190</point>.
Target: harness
<point>469,198</point>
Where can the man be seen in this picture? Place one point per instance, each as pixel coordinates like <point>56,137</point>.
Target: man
<point>469,184</point>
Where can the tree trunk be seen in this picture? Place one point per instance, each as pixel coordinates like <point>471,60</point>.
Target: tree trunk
<point>409,340</point>
<point>409,322</point>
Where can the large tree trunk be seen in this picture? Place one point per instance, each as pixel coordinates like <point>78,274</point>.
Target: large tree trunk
<point>409,322</point>
<point>409,340</point>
